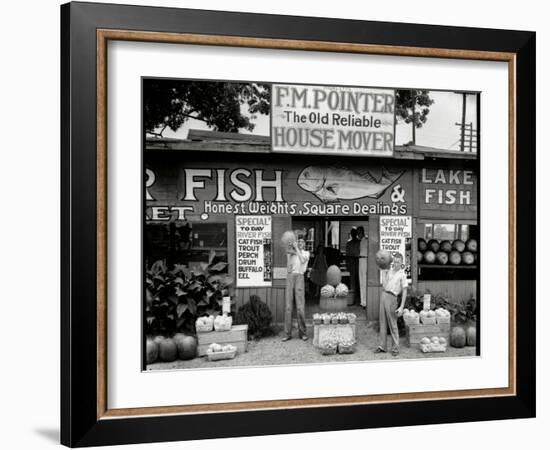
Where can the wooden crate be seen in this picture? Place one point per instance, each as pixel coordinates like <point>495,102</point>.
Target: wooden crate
<point>238,336</point>
<point>345,331</point>
<point>415,333</point>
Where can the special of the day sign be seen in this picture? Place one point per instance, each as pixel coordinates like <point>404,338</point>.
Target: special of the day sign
<point>253,251</point>
<point>395,231</point>
<point>333,119</point>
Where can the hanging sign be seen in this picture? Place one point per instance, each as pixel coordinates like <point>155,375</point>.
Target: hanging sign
<point>333,119</point>
<point>395,237</point>
<point>254,265</point>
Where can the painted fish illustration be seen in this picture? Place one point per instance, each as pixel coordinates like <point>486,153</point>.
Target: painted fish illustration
<point>333,183</point>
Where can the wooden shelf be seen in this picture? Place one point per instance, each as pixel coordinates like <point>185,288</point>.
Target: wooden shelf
<point>447,266</point>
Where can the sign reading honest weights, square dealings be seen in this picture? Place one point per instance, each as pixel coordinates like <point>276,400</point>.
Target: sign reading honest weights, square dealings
<point>333,119</point>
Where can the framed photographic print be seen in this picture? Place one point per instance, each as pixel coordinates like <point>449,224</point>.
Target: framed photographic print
<point>277,224</point>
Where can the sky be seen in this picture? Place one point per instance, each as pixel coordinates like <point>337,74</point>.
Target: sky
<point>439,131</point>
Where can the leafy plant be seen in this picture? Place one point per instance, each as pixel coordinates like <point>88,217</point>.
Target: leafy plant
<point>462,311</point>
<point>175,298</point>
<point>257,315</point>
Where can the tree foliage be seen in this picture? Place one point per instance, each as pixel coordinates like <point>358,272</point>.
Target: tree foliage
<point>413,106</point>
<point>219,104</point>
<point>170,103</point>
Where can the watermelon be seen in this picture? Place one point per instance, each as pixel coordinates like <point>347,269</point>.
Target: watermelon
<point>288,239</point>
<point>429,257</point>
<point>471,245</point>
<point>422,246</point>
<point>383,259</point>
<point>467,258</point>
<point>419,256</point>
<point>455,257</point>
<point>433,245</point>
<point>442,258</point>
<point>446,246</point>
<point>458,337</point>
<point>168,350</point>
<point>459,245</point>
<point>152,351</point>
<point>334,276</point>
<point>471,337</point>
<point>187,346</point>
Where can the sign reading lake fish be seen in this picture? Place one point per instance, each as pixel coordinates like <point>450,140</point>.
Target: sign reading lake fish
<point>333,119</point>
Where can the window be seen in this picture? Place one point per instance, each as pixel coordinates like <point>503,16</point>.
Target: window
<point>440,267</point>
<point>446,231</point>
<point>188,243</point>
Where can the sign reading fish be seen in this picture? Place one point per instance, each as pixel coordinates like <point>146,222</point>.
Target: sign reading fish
<point>195,190</point>
<point>333,119</point>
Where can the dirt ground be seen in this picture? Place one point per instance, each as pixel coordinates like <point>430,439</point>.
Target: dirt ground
<point>271,351</point>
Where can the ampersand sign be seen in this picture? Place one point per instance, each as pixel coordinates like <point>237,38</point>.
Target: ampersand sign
<point>398,194</point>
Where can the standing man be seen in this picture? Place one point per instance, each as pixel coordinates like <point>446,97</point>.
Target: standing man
<point>394,283</point>
<point>352,262</point>
<point>297,260</point>
<point>363,254</point>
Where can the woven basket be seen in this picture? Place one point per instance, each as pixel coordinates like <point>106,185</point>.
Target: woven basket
<point>428,320</point>
<point>203,328</point>
<point>413,321</point>
<point>218,356</point>
<point>347,349</point>
<point>327,351</point>
<point>433,348</point>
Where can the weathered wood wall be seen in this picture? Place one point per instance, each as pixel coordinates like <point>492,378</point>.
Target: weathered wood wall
<point>273,296</point>
<point>455,290</point>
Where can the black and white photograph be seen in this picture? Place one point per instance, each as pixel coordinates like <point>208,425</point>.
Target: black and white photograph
<point>305,224</point>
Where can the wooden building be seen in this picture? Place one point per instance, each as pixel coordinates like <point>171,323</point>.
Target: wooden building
<point>198,187</point>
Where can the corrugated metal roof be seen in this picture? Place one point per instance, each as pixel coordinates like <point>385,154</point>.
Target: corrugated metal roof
<point>239,142</point>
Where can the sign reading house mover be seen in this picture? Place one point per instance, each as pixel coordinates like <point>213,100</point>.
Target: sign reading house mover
<point>253,251</point>
<point>333,119</point>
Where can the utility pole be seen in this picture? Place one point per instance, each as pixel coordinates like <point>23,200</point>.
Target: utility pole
<point>463,123</point>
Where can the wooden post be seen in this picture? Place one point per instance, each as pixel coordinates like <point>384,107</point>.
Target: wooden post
<point>413,95</point>
<point>463,122</point>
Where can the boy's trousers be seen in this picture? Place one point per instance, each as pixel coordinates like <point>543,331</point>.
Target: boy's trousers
<point>295,293</point>
<point>388,318</point>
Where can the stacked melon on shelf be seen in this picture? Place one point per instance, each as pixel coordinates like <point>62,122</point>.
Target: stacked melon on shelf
<point>445,252</point>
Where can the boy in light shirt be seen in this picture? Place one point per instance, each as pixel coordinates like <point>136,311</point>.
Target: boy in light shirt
<point>394,284</point>
<point>297,260</point>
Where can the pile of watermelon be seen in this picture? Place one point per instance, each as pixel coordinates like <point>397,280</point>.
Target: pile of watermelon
<point>444,252</point>
<point>166,349</point>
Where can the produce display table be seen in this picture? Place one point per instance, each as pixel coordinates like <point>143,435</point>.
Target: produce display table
<point>344,332</point>
<point>237,336</point>
<point>334,303</point>
<point>415,333</point>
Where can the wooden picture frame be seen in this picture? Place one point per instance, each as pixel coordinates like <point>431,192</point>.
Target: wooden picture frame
<point>85,416</point>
